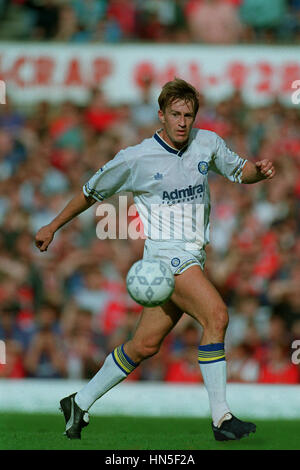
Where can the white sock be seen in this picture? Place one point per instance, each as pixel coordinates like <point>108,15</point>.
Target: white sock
<point>116,368</point>
<point>213,368</point>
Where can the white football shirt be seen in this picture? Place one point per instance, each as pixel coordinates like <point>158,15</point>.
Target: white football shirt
<point>169,186</point>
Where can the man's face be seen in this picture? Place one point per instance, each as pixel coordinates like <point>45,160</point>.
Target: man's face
<point>177,119</point>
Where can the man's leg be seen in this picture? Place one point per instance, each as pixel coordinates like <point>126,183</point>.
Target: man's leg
<point>195,295</point>
<point>155,323</point>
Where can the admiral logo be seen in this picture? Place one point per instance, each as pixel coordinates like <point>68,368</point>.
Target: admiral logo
<point>158,176</point>
<point>185,193</point>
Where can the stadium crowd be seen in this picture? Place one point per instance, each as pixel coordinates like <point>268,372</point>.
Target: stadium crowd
<point>115,21</point>
<point>63,311</point>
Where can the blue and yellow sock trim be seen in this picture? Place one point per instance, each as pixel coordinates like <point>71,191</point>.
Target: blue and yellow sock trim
<point>122,360</point>
<point>209,353</point>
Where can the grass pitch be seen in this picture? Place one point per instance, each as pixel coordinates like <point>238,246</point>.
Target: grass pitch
<point>45,432</point>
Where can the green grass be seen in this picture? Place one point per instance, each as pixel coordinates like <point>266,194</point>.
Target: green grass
<point>37,431</point>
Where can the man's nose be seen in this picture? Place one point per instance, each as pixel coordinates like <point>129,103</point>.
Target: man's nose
<point>182,121</point>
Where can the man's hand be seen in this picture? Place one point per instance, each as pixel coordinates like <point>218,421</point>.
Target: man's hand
<point>265,168</point>
<point>44,237</point>
<point>78,204</point>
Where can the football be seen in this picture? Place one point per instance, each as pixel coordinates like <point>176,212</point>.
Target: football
<point>150,282</point>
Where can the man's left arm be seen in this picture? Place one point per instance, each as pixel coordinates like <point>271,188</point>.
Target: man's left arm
<point>238,169</point>
<point>255,172</point>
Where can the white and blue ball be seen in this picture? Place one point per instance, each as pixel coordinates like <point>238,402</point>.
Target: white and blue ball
<point>150,282</point>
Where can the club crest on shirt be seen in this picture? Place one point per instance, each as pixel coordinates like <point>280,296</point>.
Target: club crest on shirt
<point>175,262</point>
<point>203,167</point>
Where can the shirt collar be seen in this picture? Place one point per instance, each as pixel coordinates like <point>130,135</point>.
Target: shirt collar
<point>168,147</point>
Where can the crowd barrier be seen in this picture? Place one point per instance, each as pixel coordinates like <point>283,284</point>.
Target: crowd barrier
<point>153,399</point>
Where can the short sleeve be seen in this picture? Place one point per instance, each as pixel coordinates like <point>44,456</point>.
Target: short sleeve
<point>226,162</point>
<point>113,177</point>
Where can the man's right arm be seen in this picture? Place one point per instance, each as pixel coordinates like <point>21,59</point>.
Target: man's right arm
<point>113,177</point>
<point>76,206</point>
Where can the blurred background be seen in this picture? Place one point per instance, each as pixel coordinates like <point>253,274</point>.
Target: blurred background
<point>82,80</point>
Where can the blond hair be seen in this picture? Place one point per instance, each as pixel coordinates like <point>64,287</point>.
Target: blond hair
<point>178,89</point>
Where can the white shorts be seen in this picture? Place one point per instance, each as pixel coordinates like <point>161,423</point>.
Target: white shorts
<point>174,254</point>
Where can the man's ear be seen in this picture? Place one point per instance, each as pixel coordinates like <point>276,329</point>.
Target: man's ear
<point>161,116</point>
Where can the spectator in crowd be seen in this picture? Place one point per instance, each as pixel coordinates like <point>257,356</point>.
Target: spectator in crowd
<point>278,368</point>
<point>45,357</point>
<point>182,365</point>
<point>89,13</point>
<point>99,115</point>
<point>242,365</point>
<point>10,119</point>
<point>285,295</point>
<point>45,17</point>
<point>14,367</point>
<point>12,153</point>
<point>11,330</point>
<point>265,16</point>
<point>247,311</point>
<point>144,113</point>
<point>214,22</point>
<point>84,347</point>
<point>123,12</point>
<point>184,369</point>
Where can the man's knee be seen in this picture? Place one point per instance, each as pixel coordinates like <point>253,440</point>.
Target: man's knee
<point>217,319</point>
<point>144,349</point>
<point>222,319</point>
